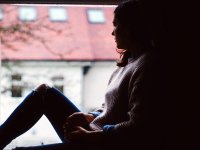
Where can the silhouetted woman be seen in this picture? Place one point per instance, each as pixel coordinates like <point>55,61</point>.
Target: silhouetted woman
<point>128,117</point>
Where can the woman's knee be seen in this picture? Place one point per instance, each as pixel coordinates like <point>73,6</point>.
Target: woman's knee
<point>41,89</point>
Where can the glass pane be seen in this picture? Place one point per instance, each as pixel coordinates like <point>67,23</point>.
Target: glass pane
<point>58,14</point>
<point>73,56</point>
<point>16,91</point>
<point>27,13</point>
<point>96,16</point>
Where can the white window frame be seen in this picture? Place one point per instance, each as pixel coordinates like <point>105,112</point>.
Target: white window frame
<point>96,16</point>
<point>58,14</point>
<point>27,13</point>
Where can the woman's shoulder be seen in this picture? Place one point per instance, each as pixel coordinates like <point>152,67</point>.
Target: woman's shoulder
<point>143,59</point>
<point>138,61</point>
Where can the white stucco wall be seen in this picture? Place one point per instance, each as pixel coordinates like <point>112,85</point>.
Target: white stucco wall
<point>95,83</point>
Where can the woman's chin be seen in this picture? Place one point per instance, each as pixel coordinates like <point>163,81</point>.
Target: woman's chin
<point>119,47</point>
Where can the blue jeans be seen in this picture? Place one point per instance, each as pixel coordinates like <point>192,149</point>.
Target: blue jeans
<point>54,105</point>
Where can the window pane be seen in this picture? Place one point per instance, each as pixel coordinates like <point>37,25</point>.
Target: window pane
<point>96,16</point>
<point>58,82</point>
<point>16,77</point>
<point>60,88</point>
<point>16,88</point>
<point>58,14</point>
<point>1,14</point>
<point>16,91</point>
<point>27,13</point>
<point>75,57</point>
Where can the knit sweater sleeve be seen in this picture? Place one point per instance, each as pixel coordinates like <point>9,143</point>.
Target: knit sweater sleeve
<point>135,98</point>
<point>140,87</point>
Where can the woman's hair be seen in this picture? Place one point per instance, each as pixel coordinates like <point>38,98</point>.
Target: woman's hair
<point>137,19</point>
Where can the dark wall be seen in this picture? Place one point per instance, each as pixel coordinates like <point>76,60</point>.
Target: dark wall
<point>180,48</point>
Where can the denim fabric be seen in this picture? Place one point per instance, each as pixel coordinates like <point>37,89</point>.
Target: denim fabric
<point>108,128</point>
<point>54,105</point>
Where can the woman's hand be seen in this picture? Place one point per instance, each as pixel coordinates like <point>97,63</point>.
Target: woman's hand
<point>77,119</point>
<point>82,134</point>
<point>80,119</point>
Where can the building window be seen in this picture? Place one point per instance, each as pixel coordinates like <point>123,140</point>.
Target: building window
<point>27,13</point>
<point>58,82</point>
<point>16,85</point>
<point>1,14</point>
<point>95,16</point>
<point>58,14</point>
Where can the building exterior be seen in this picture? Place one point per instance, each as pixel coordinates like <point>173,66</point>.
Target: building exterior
<point>68,47</point>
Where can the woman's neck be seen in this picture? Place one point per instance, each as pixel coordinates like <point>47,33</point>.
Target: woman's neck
<point>135,50</point>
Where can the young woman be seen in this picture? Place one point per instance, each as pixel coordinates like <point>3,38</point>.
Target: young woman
<point>129,115</point>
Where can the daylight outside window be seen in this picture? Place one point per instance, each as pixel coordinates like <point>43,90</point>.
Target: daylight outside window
<point>96,16</point>
<point>58,14</point>
<point>69,47</point>
<point>27,13</point>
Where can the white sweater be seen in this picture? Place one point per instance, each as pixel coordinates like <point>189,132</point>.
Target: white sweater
<point>121,98</point>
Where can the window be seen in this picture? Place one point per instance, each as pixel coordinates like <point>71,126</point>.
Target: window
<point>58,14</point>
<point>95,16</point>
<point>16,86</point>
<point>1,14</point>
<point>58,82</point>
<point>54,53</point>
<point>27,13</point>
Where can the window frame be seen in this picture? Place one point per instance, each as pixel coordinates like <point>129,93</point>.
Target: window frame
<point>58,82</point>
<point>58,7</point>
<point>89,13</point>
<point>29,20</point>
<point>16,86</point>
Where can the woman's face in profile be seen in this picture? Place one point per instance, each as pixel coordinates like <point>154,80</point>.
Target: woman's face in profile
<point>120,34</point>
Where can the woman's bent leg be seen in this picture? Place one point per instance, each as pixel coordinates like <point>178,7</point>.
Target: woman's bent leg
<point>44,100</point>
<point>57,109</point>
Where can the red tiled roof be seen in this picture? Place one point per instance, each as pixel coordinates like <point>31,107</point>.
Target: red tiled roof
<point>76,39</point>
